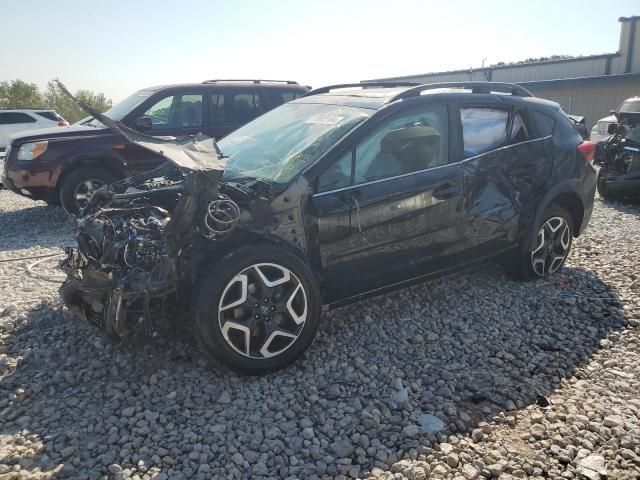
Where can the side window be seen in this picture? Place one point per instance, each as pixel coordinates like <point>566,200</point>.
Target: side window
<point>217,108</point>
<point>11,118</point>
<point>245,107</point>
<point>338,175</point>
<point>176,111</point>
<point>483,129</point>
<point>406,143</point>
<point>160,113</point>
<point>519,132</point>
<point>545,125</point>
<point>48,115</point>
<point>189,112</point>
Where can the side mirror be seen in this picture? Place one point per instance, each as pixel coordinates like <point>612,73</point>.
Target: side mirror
<point>143,124</point>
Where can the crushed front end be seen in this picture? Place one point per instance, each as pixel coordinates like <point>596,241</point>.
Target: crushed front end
<point>136,243</point>
<point>620,158</point>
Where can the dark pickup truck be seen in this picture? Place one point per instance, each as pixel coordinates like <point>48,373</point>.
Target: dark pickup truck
<point>66,165</point>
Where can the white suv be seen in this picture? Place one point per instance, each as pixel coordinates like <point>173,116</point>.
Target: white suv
<point>13,121</point>
<point>600,131</point>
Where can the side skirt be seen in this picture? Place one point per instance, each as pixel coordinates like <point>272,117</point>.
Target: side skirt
<point>415,280</point>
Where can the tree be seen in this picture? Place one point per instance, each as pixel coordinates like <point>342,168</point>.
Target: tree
<point>58,101</point>
<point>19,94</point>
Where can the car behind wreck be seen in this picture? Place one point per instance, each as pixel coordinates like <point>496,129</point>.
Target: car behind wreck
<point>619,155</point>
<point>347,192</point>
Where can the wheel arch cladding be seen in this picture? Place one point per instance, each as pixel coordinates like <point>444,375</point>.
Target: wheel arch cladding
<point>573,204</point>
<point>213,256</point>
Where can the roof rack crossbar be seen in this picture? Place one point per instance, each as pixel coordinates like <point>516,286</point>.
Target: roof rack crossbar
<point>250,80</point>
<point>364,85</point>
<point>475,87</point>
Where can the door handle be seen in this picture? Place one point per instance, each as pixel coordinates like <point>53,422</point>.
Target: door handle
<point>447,190</point>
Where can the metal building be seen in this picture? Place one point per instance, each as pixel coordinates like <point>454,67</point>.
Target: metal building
<point>589,86</point>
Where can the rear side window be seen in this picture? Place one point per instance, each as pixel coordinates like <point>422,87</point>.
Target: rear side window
<point>11,118</point>
<point>483,129</point>
<point>245,107</point>
<point>519,130</point>
<point>545,124</point>
<point>217,108</point>
<point>48,115</point>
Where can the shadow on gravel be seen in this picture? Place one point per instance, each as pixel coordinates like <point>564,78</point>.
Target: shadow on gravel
<point>40,225</point>
<point>462,349</point>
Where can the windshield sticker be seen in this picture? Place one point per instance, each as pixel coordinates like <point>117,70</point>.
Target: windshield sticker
<point>325,119</point>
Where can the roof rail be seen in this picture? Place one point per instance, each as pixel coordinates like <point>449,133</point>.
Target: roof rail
<point>250,80</point>
<point>475,87</point>
<point>364,85</point>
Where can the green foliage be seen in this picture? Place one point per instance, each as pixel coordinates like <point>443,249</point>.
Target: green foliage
<point>58,101</point>
<point>19,94</point>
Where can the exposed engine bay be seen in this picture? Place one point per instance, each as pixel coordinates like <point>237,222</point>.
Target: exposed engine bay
<point>141,240</point>
<point>131,240</point>
<point>620,158</point>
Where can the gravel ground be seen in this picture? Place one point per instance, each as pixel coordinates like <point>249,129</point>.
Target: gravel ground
<point>474,376</point>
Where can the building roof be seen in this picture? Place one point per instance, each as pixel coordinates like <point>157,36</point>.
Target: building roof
<point>503,67</point>
<point>621,77</point>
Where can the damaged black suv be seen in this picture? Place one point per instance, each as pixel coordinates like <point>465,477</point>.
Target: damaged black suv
<point>347,192</point>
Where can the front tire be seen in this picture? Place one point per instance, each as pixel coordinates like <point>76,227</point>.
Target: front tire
<point>258,310</point>
<point>79,185</point>
<point>547,247</point>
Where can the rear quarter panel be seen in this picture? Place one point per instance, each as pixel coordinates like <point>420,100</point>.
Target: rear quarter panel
<point>571,175</point>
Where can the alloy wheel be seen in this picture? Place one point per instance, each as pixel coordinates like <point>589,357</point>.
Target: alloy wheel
<point>552,246</point>
<point>84,190</point>
<point>262,310</point>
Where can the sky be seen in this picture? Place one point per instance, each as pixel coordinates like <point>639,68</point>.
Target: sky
<point>117,47</point>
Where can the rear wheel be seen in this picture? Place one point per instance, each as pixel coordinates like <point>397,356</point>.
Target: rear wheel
<point>78,186</point>
<point>547,248</point>
<point>258,310</point>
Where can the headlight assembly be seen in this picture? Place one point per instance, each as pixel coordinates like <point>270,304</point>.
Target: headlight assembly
<point>32,150</point>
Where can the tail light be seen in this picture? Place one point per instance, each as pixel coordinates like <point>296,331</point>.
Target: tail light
<point>588,150</point>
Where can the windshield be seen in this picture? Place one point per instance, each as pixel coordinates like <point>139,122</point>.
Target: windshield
<point>278,145</point>
<point>122,109</point>
<point>630,107</point>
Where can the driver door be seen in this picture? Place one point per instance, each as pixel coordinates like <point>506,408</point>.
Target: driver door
<point>389,208</point>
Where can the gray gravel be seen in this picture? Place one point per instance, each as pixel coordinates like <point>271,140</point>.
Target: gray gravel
<point>474,376</point>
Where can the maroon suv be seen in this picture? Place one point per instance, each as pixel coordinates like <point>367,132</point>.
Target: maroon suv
<point>66,165</point>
